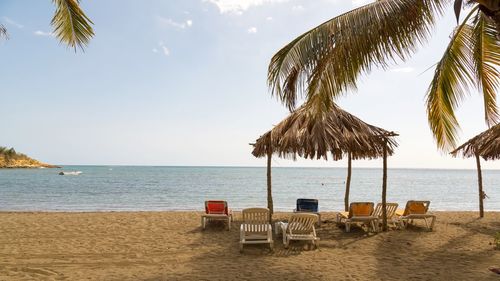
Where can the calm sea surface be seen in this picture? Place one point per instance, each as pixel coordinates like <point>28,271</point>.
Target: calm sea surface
<point>125,188</point>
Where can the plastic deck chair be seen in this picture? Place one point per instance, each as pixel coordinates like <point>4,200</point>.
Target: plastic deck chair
<point>216,210</point>
<point>300,227</point>
<point>416,210</point>
<point>358,212</point>
<point>308,206</point>
<point>391,209</point>
<point>256,228</point>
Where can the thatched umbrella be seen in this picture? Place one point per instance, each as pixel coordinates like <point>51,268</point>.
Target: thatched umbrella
<point>309,134</point>
<point>485,145</point>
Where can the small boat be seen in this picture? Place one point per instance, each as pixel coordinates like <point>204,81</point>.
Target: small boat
<point>73,173</point>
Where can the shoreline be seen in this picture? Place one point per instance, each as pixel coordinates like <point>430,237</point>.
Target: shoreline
<point>263,167</point>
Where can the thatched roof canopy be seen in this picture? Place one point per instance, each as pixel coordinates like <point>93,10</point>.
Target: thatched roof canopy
<point>313,135</point>
<point>486,145</point>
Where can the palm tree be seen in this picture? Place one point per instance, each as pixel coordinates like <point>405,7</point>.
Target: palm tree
<point>71,26</point>
<point>327,60</point>
<point>3,32</point>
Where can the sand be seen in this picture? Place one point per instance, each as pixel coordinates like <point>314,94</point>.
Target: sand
<point>172,246</point>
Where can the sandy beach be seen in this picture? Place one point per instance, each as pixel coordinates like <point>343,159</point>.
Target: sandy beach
<point>172,246</point>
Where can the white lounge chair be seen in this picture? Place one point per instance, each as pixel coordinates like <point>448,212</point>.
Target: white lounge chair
<point>416,210</point>
<point>391,209</point>
<point>300,227</point>
<point>358,212</point>
<point>256,228</point>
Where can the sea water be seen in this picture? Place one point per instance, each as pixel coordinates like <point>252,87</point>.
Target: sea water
<point>127,188</point>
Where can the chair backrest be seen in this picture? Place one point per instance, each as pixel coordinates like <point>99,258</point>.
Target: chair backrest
<point>360,209</point>
<point>301,223</point>
<point>255,215</point>
<point>390,210</point>
<point>307,205</point>
<point>414,207</point>
<point>216,207</point>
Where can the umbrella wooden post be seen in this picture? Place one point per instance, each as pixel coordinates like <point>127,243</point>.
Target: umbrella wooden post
<point>348,182</point>
<point>269,187</point>
<point>480,184</point>
<point>384,190</point>
<point>316,134</point>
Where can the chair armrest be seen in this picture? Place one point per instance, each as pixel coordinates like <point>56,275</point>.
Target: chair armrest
<point>242,231</point>
<point>343,214</point>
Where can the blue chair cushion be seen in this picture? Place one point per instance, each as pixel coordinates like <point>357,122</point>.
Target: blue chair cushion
<point>307,205</point>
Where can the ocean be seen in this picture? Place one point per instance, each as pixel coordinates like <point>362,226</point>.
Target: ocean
<point>142,188</point>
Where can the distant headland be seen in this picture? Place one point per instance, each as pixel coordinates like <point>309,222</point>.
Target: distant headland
<point>9,158</point>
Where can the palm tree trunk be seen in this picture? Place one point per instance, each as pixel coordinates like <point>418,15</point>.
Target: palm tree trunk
<point>480,183</point>
<point>348,182</point>
<point>384,190</point>
<point>269,187</point>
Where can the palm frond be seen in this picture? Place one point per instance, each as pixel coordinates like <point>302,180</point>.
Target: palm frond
<point>486,58</point>
<point>3,32</point>
<point>332,55</point>
<point>452,80</point>
<point>71,26</point>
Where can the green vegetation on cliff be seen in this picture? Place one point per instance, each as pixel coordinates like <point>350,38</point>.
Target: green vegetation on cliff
<point>9,158</point>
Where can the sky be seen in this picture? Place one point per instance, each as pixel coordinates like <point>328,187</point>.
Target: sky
<point>184,83</point>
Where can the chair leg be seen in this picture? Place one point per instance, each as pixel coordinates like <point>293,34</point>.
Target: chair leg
<point>426,223</point>
<point>404,223</point>
<point>241,247</point>
<point>316,244</point>
<point>203,222</point>
<point>287,242</point>
<point>229,224</point>
<point>432,223</point>
<point>347,226</point>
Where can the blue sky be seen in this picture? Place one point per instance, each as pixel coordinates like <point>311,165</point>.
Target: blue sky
<point>184,83</point>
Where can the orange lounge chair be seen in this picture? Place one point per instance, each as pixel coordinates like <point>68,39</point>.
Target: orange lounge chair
<point>358,212</point>
<point>415,210</point>
<point>216,210</point>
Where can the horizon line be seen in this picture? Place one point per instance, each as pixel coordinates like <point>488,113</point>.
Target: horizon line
<point>243,166</point>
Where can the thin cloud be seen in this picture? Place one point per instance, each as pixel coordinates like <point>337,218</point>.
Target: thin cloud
<point>42,33</point>
<point>252,30</point>
<point>164,49</point>
<point>269,18</point>
<point>239,6</point>
<point>12,22</point>
<point>403,69</point>
<point>171,23</point>
<point>297,8</point>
